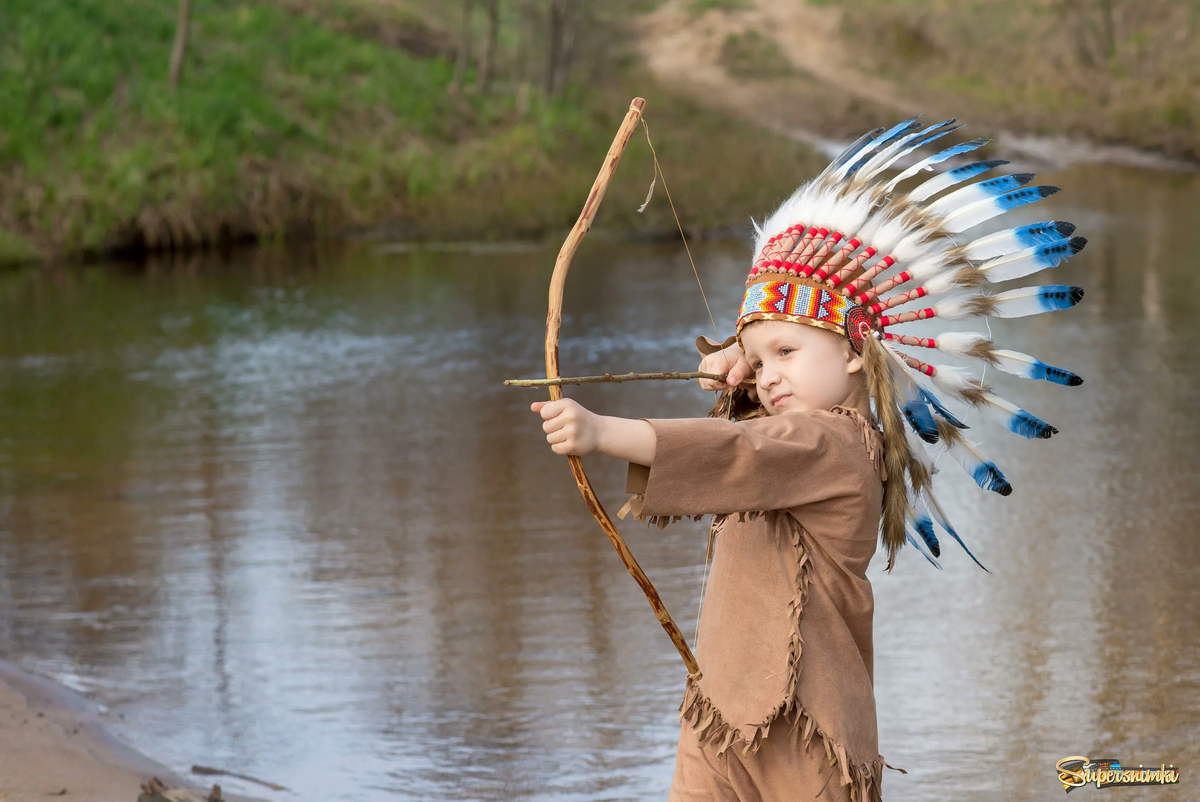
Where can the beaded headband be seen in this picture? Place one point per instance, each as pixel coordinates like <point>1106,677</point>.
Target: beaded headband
<point>797,299</point>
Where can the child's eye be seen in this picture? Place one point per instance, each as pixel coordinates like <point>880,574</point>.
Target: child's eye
<point>757,366</point>
<point>785,351</point>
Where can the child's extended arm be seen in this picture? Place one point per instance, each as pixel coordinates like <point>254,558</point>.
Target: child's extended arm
<point>572,429</point>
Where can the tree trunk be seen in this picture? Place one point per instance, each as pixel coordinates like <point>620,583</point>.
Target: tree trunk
<point>464,49</point>
<point>553,47</point>
<point>572,26</point>
<point>488,70</point>
<point>1110,29</point>
<point>526,39</point>
<point>181,37</point>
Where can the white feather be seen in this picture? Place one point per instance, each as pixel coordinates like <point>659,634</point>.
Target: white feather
<point>998,244</point>
<point>972,215</point>
<point>1015,265</point>
<point>946,281</point>
<point>1019,303</point>
<point>959,343</point>
<point>1015,362</point>
<point>933,186</point>
<point>955,380</point>
<point>953,307</point>
<point>937,158</point>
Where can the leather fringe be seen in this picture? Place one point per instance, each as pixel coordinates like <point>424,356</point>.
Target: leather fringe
<point>873,445</point>
<point>634,506</point>
<point>863,777</point>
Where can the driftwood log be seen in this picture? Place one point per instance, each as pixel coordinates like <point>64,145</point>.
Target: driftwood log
<point>157,791</point>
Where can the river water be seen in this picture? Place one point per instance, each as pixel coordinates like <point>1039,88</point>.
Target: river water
<point>278,514</point>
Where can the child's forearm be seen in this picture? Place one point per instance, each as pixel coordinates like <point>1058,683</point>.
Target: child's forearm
<point>630,440</point>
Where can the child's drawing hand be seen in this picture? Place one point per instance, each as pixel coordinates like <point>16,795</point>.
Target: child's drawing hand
<point>732,360</point>
<point>570,429</point>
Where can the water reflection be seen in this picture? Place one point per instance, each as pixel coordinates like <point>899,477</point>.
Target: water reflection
<point>281,515</point>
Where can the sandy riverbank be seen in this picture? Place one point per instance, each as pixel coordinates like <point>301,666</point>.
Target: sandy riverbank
<point>53,745</point>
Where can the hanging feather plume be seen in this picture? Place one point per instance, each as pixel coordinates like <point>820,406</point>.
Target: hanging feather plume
<point>940,409</point>
<point>895,445</point>
<point>922,524</point>
<point>978,467</point>
<point>935,510</point>
<point>916,545</point>
<point>921,467</point>
<point>916,412</point>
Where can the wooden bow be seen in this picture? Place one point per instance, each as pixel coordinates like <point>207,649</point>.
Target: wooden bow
<point>553,324</point>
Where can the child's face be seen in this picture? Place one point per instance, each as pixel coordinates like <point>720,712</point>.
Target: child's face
<point>798,368</point>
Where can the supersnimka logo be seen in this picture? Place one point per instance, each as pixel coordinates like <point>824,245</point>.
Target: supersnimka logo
<point>1076,772</point>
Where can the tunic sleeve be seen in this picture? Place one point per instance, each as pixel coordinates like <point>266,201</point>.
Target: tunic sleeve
<point>711,465</point>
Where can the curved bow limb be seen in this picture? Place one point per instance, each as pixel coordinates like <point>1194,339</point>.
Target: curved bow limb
<point>553,324</point>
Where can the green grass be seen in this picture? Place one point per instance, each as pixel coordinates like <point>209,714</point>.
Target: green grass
<point>291,123</point>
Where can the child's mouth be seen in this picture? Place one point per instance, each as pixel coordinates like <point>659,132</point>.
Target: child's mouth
<point>780,399</point>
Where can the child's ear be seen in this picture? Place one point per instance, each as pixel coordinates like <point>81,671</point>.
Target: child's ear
<point>854,362</point>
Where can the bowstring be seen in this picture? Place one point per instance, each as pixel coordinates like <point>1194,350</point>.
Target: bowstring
<point>659,176</point>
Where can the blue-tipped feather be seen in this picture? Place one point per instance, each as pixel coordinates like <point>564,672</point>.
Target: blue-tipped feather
<point>920,420</point>
<point>972,215</point>
<point>941,409</point>
<point>1035,300</point>
<point>884,139</point>
<point>912,540</point>
<point>923,525</point>
<point>940,516</point>
<point>1013,418</point>
<point>855,147</point>
<point>976,193</point>
<point>978,467</point>
<point>916,412</point>
<point>1019,238</point>
<point>938,158</point>
<point>1031,260</point>
<point>1028,367</point>
<point>906,145</point>
<point>1030,426</point>
<point>951,177</point>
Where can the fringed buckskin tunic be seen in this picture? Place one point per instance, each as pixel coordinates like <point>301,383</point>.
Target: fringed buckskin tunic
<point>786,623</point>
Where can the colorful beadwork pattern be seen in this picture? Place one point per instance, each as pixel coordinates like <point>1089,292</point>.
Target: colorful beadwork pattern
<point>800,303</point>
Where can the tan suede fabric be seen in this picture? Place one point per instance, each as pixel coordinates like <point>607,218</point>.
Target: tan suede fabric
<point>782,769</point>
<point>786,625</point>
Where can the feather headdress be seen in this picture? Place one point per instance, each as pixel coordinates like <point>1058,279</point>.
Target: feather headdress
<point>849,248</point>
